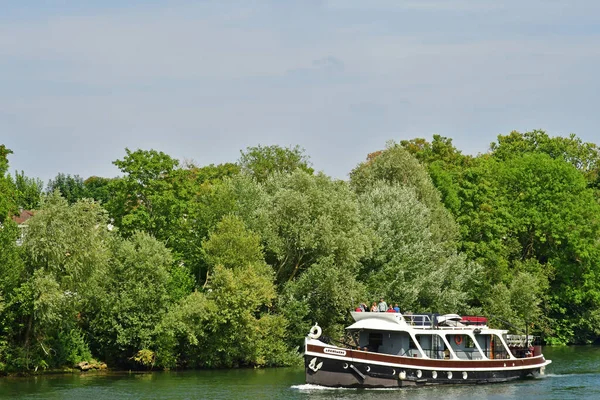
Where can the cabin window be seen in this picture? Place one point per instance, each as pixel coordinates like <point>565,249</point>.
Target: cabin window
<point>499,349</point>
<point>411,343</point>
<point>375,340</point>
<point>469,342</point>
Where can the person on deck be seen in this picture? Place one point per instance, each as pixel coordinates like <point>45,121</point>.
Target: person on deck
<point>382,307</point>
<point>390,309</point>
<point>374,307</point>
<point>359,309</point>
<point>396,308</point>
<point>364,307</point>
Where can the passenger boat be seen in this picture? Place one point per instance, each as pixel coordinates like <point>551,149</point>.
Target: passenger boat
<point>390,350</point>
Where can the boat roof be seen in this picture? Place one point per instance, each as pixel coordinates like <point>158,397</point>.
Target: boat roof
<point>378,321</point>
<point>384,321</point>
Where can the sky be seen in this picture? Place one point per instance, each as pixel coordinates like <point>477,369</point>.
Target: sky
<point>201,80</point>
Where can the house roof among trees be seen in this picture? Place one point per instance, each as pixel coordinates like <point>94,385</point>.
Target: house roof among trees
<point>23,216</point>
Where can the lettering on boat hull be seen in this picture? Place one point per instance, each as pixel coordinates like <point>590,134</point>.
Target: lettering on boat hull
<point>335,352</point>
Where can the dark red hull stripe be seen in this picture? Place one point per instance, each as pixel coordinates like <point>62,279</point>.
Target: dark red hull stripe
<point>425,362</point>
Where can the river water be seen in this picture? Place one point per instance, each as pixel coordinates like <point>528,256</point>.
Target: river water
<point>574,374</point>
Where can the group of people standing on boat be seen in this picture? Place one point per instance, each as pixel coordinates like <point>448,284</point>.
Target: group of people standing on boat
<point>382,306</point>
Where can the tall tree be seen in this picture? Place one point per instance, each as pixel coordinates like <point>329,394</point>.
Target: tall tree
<point>66,254</point>
<point>7,189</point>
<point>444,162</point>
<point>70,187</point>
<point>395,165</point>
<point>98,188</point>
<point>29,191</point>
<point>308,217</point>
<point>131,300</point>
<point>144,197</point>
<point>408,265</point>
<point>262,161</point>
<point>230,324</point>
<point>534,207</point>
<point>584,156</point>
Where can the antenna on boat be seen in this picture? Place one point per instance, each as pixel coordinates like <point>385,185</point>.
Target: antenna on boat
<point>505,322</point>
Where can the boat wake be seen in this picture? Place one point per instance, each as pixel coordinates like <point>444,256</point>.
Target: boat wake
<point>308,386</point>
<point>311,387</point>
<point>552,376</point>
<point>568,375</point>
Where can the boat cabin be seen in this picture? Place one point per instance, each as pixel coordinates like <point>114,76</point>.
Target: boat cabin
<point>428,336</point>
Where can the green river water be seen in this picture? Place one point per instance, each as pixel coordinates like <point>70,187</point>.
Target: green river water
<point>574,374</point>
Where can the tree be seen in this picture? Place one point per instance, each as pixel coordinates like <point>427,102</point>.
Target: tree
<point>324,294</point>
<point>228,326</point>
<point>262,161</point>
<point>213,173</point>
<point>132,299</point>
<point>518,303</point>
<point>98,188</point>
<point>11,273</point>
<point>65,251</point>
<point>7,189</point>
<point>583,156</point>
<point>444,163</point>
<point>306,218</point>
<point>534,207</point>
<point>407,264</point>
<point>395,165</point>
<point>232,245</point>
<point>144,198</point>
<point>176,205</point>
<point>29,191</point>
<point>70,187</point>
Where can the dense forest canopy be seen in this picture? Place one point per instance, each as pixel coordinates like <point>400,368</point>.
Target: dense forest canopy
<point>175,265</point>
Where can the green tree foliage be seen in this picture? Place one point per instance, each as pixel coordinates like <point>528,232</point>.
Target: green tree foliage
<point>323,294</point>
<point>583,156</point>
<point>65,255</point>
<point>534,207</point>
<point>144,198</point>
<point>176,205</point>
<point>517,305</point>
<point>232,245</point>
<point>70,187</point>
<point>211,174</point>
<point>408,265</point>
<point>262,161</point>
<point>11,271</point>
<point>29,191</point>
<point>227,326</point>
<point>395,165</point>
<point>306,218</point>
<point>444,162</point>
<point>271,248</point>
<point>98,188</point>
<point>8,193</point>
<point>4,152</point>
<point>132,298</point>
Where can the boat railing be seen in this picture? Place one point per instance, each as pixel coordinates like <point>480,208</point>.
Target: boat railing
<point>419,320</point>
<point>426,321</point>
<point>521,340</point>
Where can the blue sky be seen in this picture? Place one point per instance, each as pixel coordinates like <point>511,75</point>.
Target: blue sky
<point>200,80</point>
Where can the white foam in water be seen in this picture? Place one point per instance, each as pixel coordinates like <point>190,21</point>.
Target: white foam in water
<point>308,386</point>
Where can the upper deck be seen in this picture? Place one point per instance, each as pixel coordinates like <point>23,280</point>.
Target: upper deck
<point>398,321</point>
